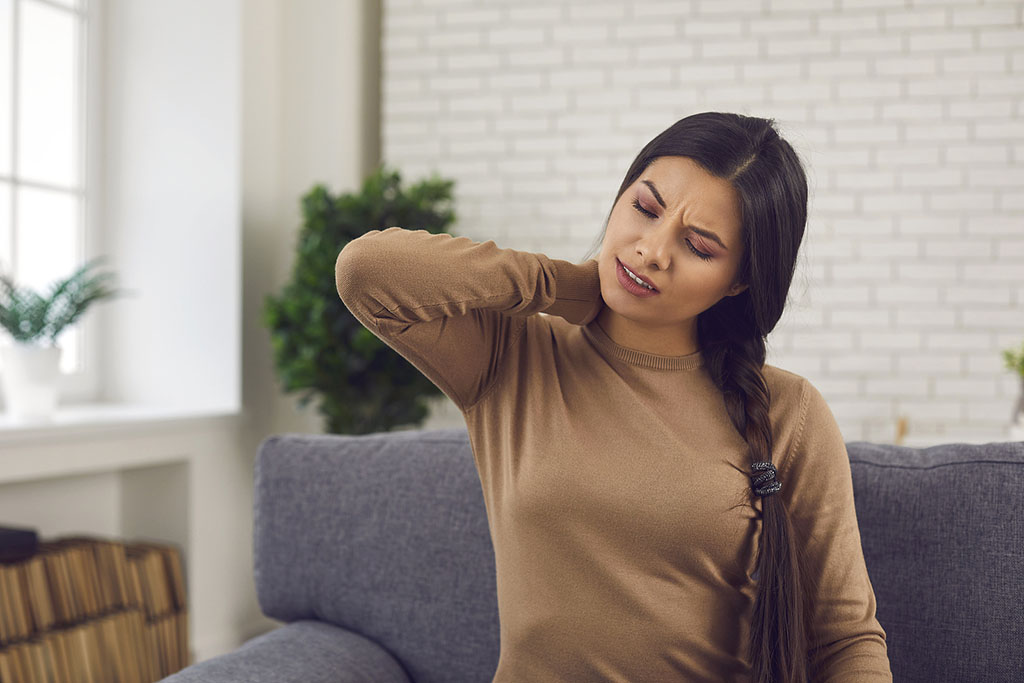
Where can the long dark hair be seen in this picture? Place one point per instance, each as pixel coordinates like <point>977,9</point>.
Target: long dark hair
<point>770,181</point>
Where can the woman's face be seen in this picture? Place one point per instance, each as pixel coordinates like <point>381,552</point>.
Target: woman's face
<point>674,210</point>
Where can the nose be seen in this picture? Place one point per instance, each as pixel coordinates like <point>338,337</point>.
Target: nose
<point>655,247</point>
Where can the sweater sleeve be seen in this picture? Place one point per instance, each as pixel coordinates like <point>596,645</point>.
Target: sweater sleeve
<point>453,306</point>
<point>848,643</point>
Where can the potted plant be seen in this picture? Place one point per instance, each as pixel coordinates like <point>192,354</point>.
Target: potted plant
<point>31,364</point>
<point>1015,361</point>
<point>319,347</point>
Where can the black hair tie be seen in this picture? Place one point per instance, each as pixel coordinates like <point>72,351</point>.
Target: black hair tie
<point>765,484</point>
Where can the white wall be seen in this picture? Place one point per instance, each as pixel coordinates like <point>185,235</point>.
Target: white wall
<point>310,116</point>
<point>908,115</point>
<point>171,188</point>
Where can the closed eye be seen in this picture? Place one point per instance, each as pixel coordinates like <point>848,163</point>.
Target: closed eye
<point>636,203</point>
<point>641,209</point>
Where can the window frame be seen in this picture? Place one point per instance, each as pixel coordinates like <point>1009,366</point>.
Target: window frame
<point>81,384</point>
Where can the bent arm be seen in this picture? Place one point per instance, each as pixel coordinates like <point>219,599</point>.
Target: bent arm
<point>452,306</point>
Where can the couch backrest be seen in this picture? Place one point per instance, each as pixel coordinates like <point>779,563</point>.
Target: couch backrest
<point>383,534</point>
<point>943,535</point>
<point>387,535</point>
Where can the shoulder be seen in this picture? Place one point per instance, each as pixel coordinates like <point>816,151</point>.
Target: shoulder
<point>801,417</point>
<point>549,326</point>
<point>546,338</point>
<point>788,390</point>
<point>533,335</point>
<point>795,402</point>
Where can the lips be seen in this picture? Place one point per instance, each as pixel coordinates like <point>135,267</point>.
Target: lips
<point>634,271</point>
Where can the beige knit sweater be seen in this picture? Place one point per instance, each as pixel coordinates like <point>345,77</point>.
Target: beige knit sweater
<point>617,490</point>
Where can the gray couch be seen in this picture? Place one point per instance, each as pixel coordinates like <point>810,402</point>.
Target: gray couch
<point>375,550</point>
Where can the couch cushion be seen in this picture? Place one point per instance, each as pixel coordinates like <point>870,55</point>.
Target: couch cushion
<point>943,535</point>
<point>300,652</point>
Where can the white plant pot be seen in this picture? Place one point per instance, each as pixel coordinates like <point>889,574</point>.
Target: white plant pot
<point>30,373</point>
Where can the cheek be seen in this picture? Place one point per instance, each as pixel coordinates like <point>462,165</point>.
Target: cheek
<point>623,219</point>
<point>620,237</point>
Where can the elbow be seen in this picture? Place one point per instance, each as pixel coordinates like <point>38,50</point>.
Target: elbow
<point>344,270</point>
<point>358,267</point>
<point>863,658</point>
<point>351,265</point>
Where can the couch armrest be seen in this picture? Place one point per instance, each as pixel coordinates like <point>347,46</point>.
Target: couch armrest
<point>301,652</point>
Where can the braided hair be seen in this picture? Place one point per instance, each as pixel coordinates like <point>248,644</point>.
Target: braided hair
<point>770,181</point>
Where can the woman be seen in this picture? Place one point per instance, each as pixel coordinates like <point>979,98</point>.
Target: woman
<point>664,506</point>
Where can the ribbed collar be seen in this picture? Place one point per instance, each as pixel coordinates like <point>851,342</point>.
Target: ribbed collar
<point>599,338</point>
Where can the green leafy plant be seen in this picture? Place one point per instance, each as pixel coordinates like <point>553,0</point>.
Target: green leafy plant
<point>319,347</point>
<point>30,317</point>
<point>1015,359</point>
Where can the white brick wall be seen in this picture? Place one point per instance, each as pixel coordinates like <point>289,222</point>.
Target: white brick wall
<point>909,115</point>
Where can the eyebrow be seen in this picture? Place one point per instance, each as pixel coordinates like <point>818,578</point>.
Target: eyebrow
<point>700,231</point>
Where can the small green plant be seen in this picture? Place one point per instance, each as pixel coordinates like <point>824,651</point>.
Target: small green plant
<point>1015,359</point>
<point>30,317</point>
<point>319,347</point>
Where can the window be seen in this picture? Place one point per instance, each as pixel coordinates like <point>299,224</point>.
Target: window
<point>43,190</point>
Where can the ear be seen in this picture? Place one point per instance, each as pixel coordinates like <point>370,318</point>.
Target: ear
<point>737,288</point>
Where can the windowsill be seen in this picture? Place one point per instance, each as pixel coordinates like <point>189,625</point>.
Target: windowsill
<point>91,419</point>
